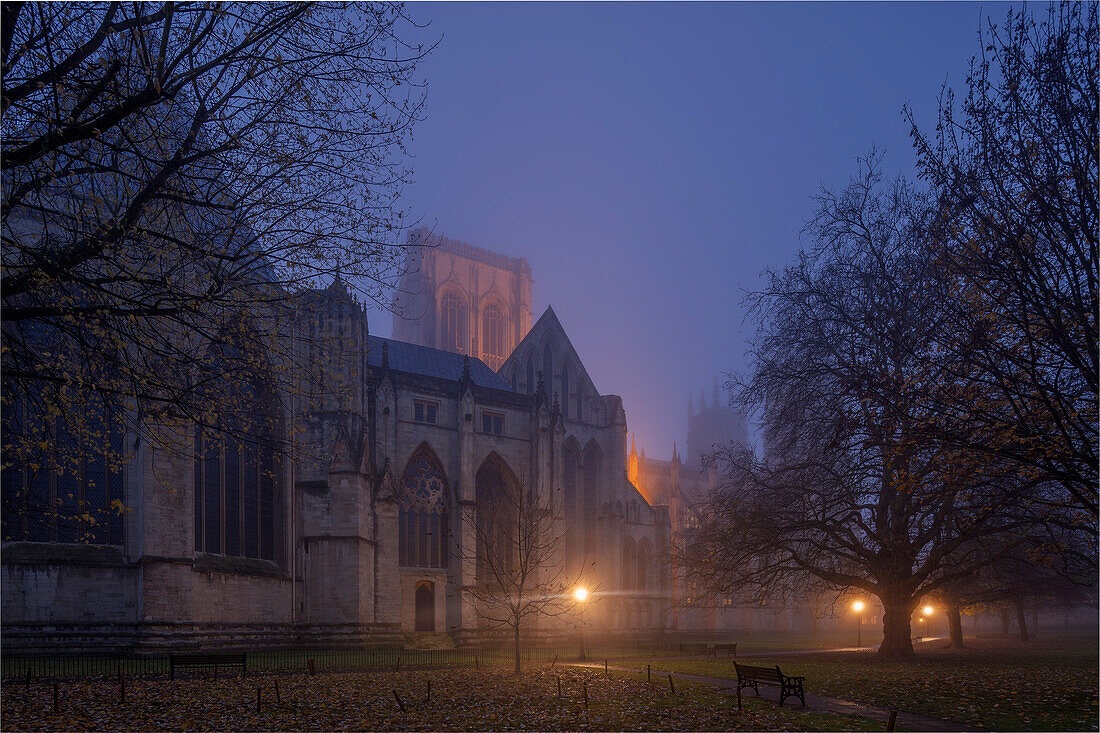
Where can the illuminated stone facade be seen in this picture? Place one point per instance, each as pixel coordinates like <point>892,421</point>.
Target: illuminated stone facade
<point>461,298</point>
<point>371,539</point>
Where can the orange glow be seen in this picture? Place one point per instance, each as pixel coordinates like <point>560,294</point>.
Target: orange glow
<point>858,606</point>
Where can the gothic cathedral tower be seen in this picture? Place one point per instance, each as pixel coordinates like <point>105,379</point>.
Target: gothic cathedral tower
<point>464,299</point>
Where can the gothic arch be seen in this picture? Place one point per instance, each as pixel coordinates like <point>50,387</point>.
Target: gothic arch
<point>529,381</point>
<point>454,318</point>
<point>493,319</point>
<point>645,560</point>
<point>593,471</point>
<point>548,349</point>
<point>495,486</point>
<point>424,513</point>
<point>565,390</point>
<point>630,571</point>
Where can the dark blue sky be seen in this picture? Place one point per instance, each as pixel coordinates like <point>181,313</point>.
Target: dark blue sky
<point>650,160</point>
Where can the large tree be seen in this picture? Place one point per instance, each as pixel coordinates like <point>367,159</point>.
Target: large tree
<point>849,492</point>
<point>1014,179</point>
<point>173,174</point>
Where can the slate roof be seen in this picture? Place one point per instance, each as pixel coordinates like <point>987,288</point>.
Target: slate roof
<point>429,362</point>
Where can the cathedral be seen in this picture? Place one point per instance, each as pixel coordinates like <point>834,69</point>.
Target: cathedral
<point>237,546</point>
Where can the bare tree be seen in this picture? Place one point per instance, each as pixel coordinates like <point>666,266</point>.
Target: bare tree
<point>522,576</point>
<point>174,174</point>
<point>850,491</point>
<point>1016,232</point>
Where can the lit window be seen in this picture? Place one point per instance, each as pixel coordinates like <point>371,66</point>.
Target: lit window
<point>492,422</point>
<point>492,336</point>
<point>425,412</point>
<point>452,311</point>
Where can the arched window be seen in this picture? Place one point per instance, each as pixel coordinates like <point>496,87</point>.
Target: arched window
<point>569,481</point>
<point>496,522</point>
<point>591,498</point>
<point>452,321</point>
<point>422,519</point>
<point>62,483</point>
<point>565,390</point>
<point>579,414</point>
<point>548,368</point>
<point>643,565</point>
<point>630,569</point>
<point>492,336</point>
<point>529,385</point>
<point>238,478</point>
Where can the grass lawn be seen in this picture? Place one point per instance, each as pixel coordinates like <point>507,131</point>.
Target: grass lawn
<point>461,699</point>
<point>1046,684</point>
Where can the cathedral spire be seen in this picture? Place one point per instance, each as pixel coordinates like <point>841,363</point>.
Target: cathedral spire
<point>633,452</point>
<point>716,402</point>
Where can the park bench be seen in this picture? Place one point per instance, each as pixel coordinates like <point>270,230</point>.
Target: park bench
<point>748,676</point>
<point>205,660</point>
<point>729,649</point>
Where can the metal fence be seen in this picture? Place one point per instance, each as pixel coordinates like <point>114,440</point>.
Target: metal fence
<point>331,660</point>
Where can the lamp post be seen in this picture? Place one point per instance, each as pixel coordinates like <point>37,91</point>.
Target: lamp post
<point>927,611</point>
<point>580,595</point>
<point>858,608</point>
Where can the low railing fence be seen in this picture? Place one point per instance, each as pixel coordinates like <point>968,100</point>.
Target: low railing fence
<point>60,667</point>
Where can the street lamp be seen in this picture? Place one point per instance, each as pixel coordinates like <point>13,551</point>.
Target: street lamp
<point>580,595</point>
<point>921,621</point>
<point>927,611</point>
<point>858,608</point>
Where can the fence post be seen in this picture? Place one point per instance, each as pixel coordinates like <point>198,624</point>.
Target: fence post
<point>56,697</point>
<point>278,699</point>
<point>670,685</point>
<point>312,669</point>
<point>399,703</point>
<point>893,719</point>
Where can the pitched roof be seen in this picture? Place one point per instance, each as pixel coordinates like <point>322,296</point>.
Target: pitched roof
<point>428,362</point>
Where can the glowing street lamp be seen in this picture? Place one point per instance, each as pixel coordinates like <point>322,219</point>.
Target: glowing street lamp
<point>580,595</point>
<point>928,610</point>
<point>858,607</point>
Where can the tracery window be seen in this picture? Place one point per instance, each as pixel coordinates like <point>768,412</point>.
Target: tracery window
<point>565,391</point>
<point>496,522</point>
<point>452,317</point>
<point>72,490</point>
<point>530,384</point>
<point>548,368</point>
<point>238,506</point>
<point>492,336</point>
<point>422,519</point>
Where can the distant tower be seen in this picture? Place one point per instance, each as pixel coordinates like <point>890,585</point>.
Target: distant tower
<point>716,425</point>
<point>462,298</point>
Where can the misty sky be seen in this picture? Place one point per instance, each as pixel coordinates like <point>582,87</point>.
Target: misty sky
<point>650,160</point>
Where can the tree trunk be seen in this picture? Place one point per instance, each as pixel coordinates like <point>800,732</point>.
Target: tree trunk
<point>955,626</point>
<point>1005,620</point>
<point>897,632</point>
<point>515,637</point>
<point>1021,620</point>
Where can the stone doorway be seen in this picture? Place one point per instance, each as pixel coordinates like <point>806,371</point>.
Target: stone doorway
<point>425,607</point>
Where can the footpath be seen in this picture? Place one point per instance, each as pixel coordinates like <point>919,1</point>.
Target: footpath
<point>814,703</point>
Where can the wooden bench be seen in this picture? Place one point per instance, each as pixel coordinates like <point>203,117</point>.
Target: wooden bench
<point>729,649</point>
<point>205,660</point>
<point>752,676</point>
